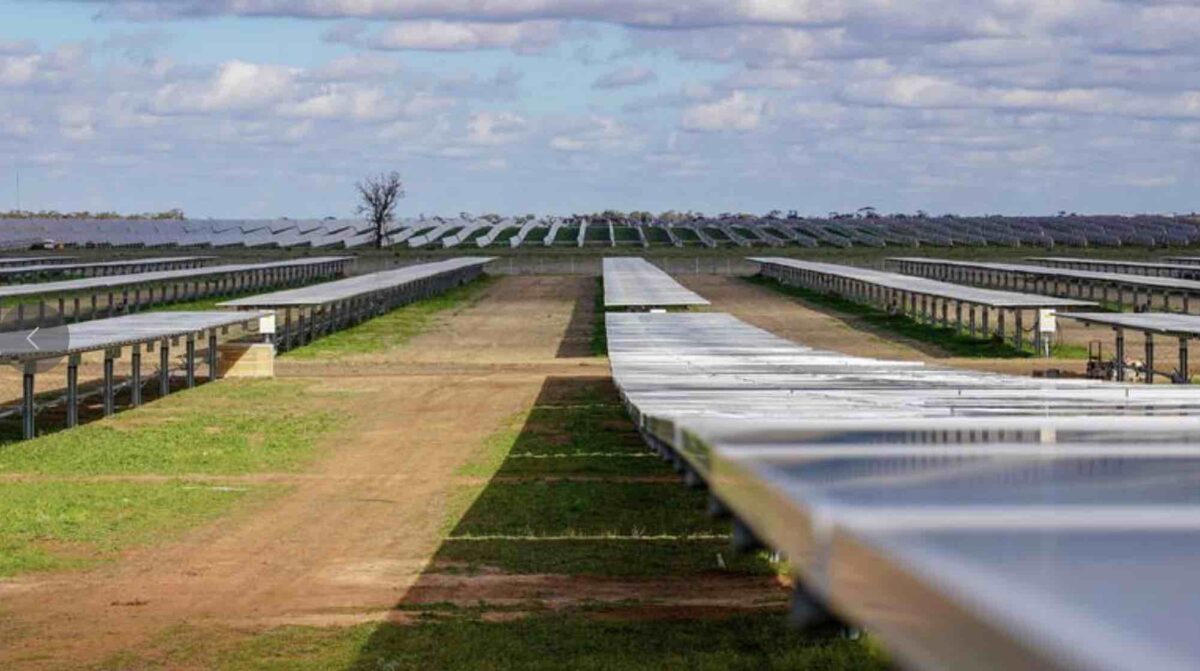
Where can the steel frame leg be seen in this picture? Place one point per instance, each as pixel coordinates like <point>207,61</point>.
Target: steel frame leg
<point>28,428</point>
<point>109,405</point>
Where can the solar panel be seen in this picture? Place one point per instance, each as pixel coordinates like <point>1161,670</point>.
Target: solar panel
<point>921,286</point>
<point>132,279</point>
<point>71,268</point>
<point>102,334</point>
<point>635,282</point>
<point>351,287</point>
<point>1106,593</point>
<point>1061,273</point>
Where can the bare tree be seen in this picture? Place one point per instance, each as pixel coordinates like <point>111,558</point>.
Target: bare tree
<point>379,195</point>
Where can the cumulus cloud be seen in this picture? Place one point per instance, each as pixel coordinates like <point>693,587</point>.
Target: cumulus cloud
<point>909,104</point>
<point>633,75</point>
<point>595,134</point>
<point>495,128</point>
<point>235,86</point>
<point>438,35</point>
<point>738,111</point>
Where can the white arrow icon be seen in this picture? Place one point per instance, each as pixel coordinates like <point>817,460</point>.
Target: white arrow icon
<point>30,338</point>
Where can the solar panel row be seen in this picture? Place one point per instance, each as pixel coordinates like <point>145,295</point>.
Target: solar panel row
<point>741,230</point>
<point>111,295</point>
<point>633,282</point>
<point>309,312</point>
<point>1119,288</point>
<point>112,336</point>
<point>972,520</point>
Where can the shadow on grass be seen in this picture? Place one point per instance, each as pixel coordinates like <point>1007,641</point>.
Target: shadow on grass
<point>930,339</point>
<point>555,560</point>
<point>574,491</point>
<point>580,339</point>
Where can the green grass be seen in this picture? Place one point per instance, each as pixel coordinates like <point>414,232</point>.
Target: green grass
<point>235,427</point>
<point>454,639</point>
<point>61,517</point>
<point>542,507</point>
<point>392,329</point>
<point>577,492</point>
<point>948,340</point>
<point>57,525</point>
<point>621,557</point>
<point>599,343</point>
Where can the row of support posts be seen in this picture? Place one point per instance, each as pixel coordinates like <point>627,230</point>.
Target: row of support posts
<point>170,292</point>
<point>1181,375</point>
<point>919,307</point>
<point>1138,296</point>
<point>102,269</point>
<point>1124,268</point>
<point>108,388</point>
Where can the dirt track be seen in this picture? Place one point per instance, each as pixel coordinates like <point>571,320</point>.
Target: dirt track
<point>349,538</point>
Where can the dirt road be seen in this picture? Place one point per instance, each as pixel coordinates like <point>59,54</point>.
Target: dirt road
<point>351,536</point>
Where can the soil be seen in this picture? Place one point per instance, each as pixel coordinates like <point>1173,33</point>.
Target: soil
<point>354,534</point>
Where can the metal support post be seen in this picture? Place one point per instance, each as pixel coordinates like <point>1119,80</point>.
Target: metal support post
<point>109,405</point>
<point>73,390</point>
<point>135,370</point>
<point>1120,353</point>
<point>164,368</point>
<point>190,363</point>
<point>1149,358</point>
<point>28,428</point>
<point>212,355</point>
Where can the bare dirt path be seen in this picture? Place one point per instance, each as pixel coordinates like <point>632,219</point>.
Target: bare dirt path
<point>354,533</point>
<point>789,318</point>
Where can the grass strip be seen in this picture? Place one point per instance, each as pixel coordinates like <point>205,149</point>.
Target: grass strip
<point>235,427</point>
<point>599,343</point>
<point>454,639</point>
<point>616,557</point>
<point>393,329</point>
<point>62,525</point>
<point>553,507</point>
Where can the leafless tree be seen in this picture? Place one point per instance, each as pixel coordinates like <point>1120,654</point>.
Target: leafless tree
<point>379,195</point>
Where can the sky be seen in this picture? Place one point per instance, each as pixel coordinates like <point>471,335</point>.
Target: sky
<point>269,108</point>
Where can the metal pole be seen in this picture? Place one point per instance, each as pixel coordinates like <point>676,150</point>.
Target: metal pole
<point>27,406</point>
<point>164,368</point>
<point>212,356</point>
<point>73,390</point>
<point>108,384</point>
<point>190,363</point>
<point>135,365</point>
<point>1183,376</point>
<point>1120,354</point>
<point>1149,358</point>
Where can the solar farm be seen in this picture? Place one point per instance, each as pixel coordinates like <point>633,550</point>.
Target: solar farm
<point>529,232</point>
<point>260,444</point>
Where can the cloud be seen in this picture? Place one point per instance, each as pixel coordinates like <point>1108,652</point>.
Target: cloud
<point>235,86</point>
<point>628,12</point>
<point>438,35</point>
<point>342,101</point>
<point>632,75</point>
<point>735,112</point>
<point>924,104</point>
<point>595,134</point>
<point>495,128</point>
